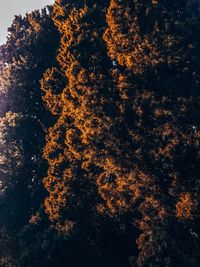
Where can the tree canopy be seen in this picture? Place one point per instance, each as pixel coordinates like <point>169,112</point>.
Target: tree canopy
<point>99,135</point>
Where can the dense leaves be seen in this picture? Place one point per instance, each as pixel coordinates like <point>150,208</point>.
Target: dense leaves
<point>30,47</point>
<point>119,105</point>
<point>156,75</point>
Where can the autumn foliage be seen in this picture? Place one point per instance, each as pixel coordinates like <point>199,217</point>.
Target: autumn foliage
<point>123,153</point>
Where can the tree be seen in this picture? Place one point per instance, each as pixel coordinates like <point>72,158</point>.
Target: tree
<point>30,47</point>
<point>81,142</point>
<point>153,45</point>
<point>122,135</point>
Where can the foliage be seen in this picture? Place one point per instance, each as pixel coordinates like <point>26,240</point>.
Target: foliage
<point>122,134</point>
<point>30,47</point>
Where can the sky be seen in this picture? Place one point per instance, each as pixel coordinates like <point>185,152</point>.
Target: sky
<point>10,8</point>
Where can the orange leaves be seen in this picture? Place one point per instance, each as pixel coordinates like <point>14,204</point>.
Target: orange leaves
<point>60,194</point>
<point>59,14</point>
<point>52,84</point>
<point>122,191</point>
<point>154,208</point>
<point>54,145</point>
<point>125,41</point>
<point>73,143</point>
<point>185,207</point>
<point>78,103</point>
<point>124,128</point>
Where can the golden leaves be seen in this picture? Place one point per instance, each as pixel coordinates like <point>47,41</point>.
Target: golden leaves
<point>185,206</point>
<point>125,42</point>
<point>120,128</point>
<point>52,85</point>
<point>78,104</point>
<point>121,191</point>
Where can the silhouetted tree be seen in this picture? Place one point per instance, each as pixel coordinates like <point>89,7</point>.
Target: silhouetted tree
<point>30,47</point>
<point>122,135</point>
<point>154,48</point>
<point>80,145</point>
